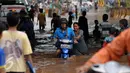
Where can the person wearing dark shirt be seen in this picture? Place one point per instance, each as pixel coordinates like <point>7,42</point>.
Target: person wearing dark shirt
<point>76,12</point>
<point>70,19</point>
<point>26,25</point>
<point>31,13</point>
<point>83,23</point>
<point>55,22</point>
<point>96,32</point>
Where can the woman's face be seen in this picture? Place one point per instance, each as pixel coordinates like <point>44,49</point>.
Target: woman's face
<point>76,27</point>
<point>63,26</point>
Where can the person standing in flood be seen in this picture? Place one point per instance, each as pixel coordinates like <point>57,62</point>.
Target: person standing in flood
<point>105,26</point>
<point>55,22</point>
<point>83,24</point>
<point>79,48</point>
<point>96,6</point>
<point>70,19</point>
<point>76,12</point>
<point>96,31</point>
<point>26,25</point>
<point>16,46</point>
<point>42,20</point>
<point>32,13</point>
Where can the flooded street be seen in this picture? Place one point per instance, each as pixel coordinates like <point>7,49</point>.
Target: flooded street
<point>45,60</point>
<point>45,57</point>
<point>55,65</point>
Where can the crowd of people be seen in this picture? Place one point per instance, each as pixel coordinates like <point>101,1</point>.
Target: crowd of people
<point>18,39</point>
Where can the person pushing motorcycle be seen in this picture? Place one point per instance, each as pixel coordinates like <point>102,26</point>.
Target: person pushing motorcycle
<point>63,32</point>
<point>113,51</point>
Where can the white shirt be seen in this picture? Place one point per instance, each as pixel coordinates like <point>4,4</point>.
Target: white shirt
<point>41,5</point>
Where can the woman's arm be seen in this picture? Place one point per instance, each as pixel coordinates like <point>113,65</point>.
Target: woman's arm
<point>79,36</point>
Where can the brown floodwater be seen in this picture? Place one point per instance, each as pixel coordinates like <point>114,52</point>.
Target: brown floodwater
<point>57,65</point>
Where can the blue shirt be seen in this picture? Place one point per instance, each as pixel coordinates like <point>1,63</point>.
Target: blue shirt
<point>68,34</point>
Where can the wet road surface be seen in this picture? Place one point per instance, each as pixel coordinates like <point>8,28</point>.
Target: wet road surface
<point>44,57</point>
<point>45,60</point>
<point>56,65</point>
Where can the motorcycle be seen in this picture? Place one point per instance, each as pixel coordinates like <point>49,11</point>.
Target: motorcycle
<point>65,46</point>
<point>110,67</point>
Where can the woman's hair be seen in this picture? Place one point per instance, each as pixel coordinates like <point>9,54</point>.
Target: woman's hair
<point>75,23</point>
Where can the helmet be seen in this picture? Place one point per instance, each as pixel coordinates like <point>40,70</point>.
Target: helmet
<point>64,21</point>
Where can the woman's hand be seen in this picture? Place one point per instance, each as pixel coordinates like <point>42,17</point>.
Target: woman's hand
<point>82,69</point>
<point>75,42</point>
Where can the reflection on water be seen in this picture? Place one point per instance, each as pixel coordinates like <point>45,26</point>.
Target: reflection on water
<point>57,65</point>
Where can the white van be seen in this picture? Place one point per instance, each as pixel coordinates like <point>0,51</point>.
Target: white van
<point>7,5</point>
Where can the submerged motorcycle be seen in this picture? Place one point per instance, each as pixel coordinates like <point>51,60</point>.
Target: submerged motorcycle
<point>65,46</point>
<point>110,67</point>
